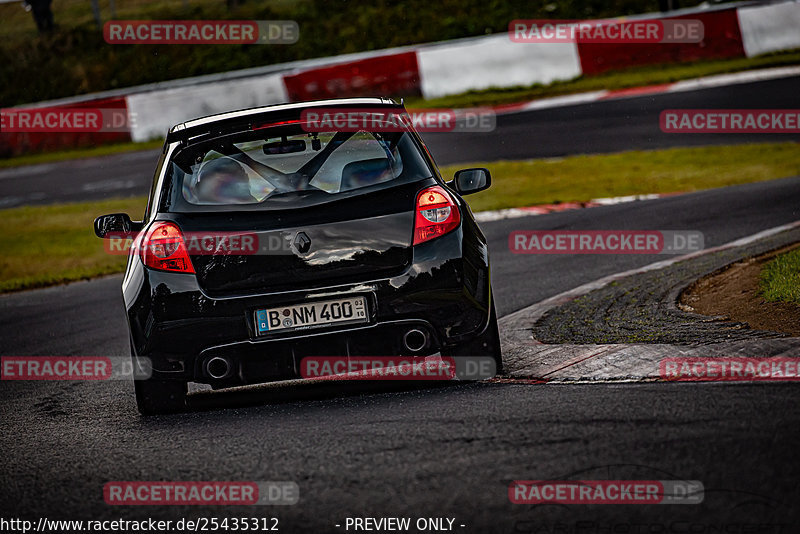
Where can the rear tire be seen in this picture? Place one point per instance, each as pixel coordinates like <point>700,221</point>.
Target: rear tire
<point>486,344</point>
<point>159,396</point>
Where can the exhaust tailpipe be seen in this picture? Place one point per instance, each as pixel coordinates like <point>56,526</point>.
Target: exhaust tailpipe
<point>218,367</point>
<point>415,340</point>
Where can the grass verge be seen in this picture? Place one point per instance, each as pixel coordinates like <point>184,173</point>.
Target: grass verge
<point>582,178</point>
<point>635,77</point>
<point>46,245</point>
<point>780,278</point>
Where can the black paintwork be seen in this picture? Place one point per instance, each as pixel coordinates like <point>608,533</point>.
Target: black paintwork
<point>361,245</point>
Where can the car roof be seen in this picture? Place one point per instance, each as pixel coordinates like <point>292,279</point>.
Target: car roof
<point>229,120</point>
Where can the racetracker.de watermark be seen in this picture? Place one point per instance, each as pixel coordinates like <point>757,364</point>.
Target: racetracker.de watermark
<point>398,367</point>
<point>207,243</point>
<point>730,121</point>
<point>200,493</point>
<point>65,120</point>
<point>376,120</point>
<point>606,491</point>
<point>604,241</point>
<point>606,31</point>
<point>201,32</point>
<point>73,368</point>
<point>730,369</point>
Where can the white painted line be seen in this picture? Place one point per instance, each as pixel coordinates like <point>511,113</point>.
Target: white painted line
<point>629,198</point>
<point>695,84</point>
<point>722,80</point>
<point>497,215</point>
<point>25,170</point>
<point>566,100</point>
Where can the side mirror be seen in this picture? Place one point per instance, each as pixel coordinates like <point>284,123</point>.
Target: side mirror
<point>107,226</point>
<point>468,181</point>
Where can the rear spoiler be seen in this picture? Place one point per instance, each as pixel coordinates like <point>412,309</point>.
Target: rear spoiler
<point>247,119</point>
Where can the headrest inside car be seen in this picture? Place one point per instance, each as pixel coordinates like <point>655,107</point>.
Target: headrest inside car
<point>364,173</point>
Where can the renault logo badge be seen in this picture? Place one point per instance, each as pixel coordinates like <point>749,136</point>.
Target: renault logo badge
<point>302,242</point>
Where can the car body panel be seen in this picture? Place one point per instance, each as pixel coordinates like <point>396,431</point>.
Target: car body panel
<point>358,246</point>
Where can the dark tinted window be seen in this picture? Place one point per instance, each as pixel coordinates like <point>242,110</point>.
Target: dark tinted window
<point>286,167</point>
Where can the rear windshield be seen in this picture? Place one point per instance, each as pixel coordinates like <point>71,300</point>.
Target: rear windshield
<point>287,167</point>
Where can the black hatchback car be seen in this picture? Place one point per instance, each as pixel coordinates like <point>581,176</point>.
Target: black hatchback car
<point>266,240</point>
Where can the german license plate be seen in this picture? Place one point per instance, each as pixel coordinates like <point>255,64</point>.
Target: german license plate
<point>312,315</point>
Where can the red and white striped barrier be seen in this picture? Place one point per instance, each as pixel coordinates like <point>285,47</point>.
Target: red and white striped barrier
<point>721,39</point>
<point>769,28</point>
<point>23,142</point>
<point>493,61</point>
<point>434,70</point>
<point>153,113</point>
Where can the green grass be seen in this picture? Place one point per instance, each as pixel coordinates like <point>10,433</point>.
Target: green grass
<point>78,153</point>
<point>635,77</point>
<point>780,278</point>
<point>582,178</point>
<point>46,245</point>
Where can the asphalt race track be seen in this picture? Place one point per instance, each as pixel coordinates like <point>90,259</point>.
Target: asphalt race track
<point>445,451</point>
<point>598,127</point>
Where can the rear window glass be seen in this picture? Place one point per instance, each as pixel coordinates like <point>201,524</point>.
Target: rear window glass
<point>286,167</point>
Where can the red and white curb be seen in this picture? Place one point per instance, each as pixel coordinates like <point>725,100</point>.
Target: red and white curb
<point>543,209</point>
<point>706,82</point>
<point>529,361</point>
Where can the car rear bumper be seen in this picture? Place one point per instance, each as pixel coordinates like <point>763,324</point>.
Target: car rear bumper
<point>173,322</point>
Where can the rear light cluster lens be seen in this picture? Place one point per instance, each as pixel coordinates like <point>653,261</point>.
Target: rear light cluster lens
<point>164,249</point>
<point>436,214</point>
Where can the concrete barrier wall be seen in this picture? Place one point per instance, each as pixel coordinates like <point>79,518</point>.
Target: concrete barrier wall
<point>493,61</point>
<point>721,39</point>
<point>153,113</point>
<point>20,143</point>
<point>389,74</point>
<point>770,28</point>
<point>430,70</point>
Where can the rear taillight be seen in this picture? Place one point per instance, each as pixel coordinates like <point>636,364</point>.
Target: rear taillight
<point>436,214</point>
<point>163,248</point>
